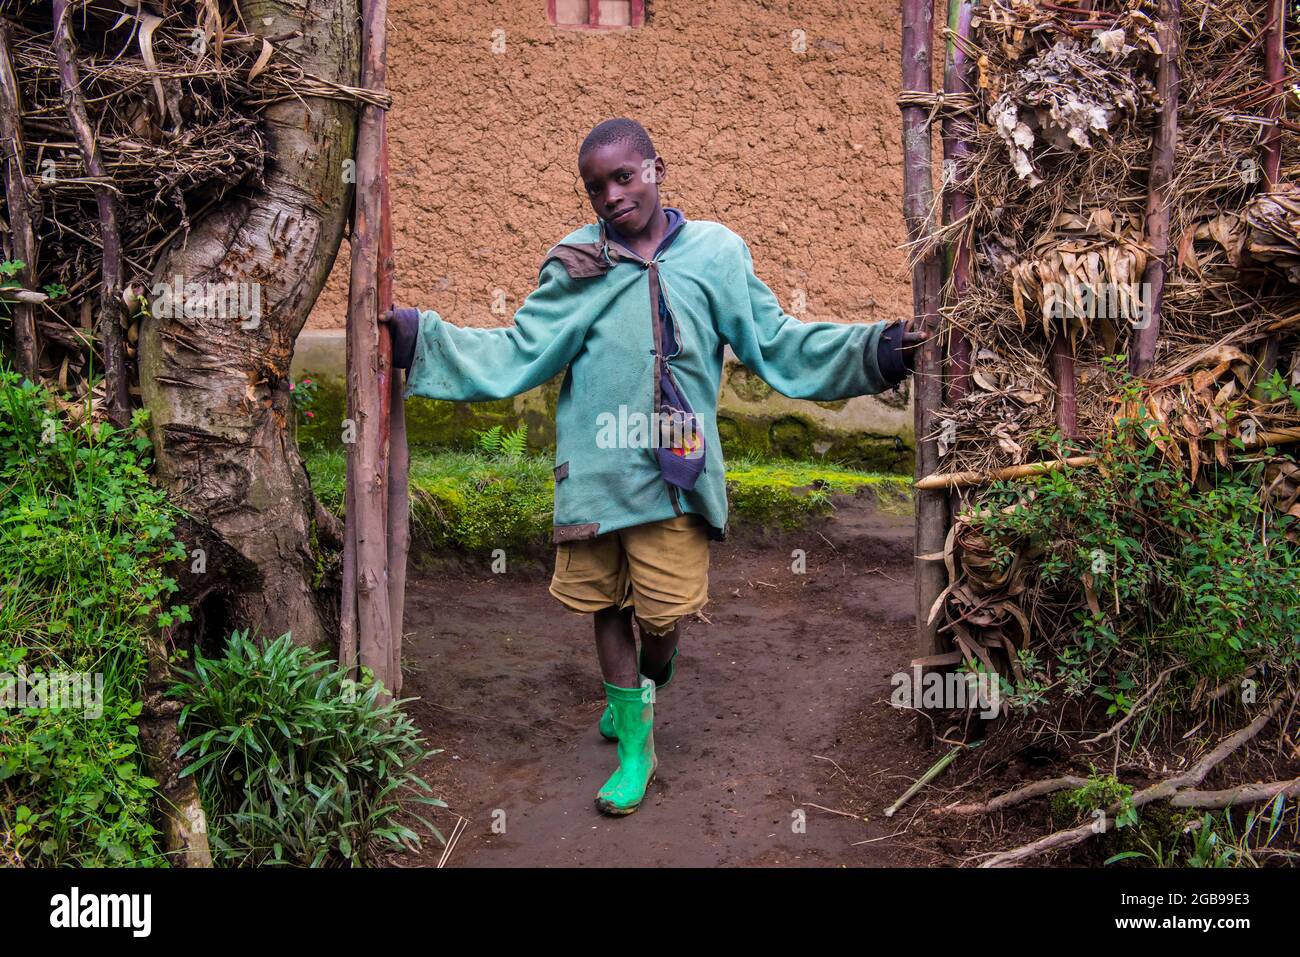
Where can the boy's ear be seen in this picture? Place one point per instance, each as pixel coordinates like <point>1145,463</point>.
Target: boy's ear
<point>657,165</point>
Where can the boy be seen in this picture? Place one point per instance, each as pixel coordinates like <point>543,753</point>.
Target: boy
<point>635,310</point>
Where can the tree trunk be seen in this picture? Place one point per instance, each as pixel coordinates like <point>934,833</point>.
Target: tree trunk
<point>217,388</point>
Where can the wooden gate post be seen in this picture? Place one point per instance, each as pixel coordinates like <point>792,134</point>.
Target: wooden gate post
<point>366,582</point>
<point>927,379</point>
<point>399,459</point>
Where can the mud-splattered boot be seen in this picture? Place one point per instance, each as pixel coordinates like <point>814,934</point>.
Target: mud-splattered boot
<point>607,717</point>
<point>634,719</point>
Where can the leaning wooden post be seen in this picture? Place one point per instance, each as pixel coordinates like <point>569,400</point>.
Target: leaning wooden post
<point>399,460</point>
<point>1158,188</point>
<point>366,519</point>
<point>109,320</point>
<point>22,234</point>
<point>918,214</point>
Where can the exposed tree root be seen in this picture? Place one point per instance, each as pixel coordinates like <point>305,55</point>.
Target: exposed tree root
<point>1242,794</point>
<point>328,528</point>
<point>180,810</point>
<point>1018,796</point>
<point>1162,790</point>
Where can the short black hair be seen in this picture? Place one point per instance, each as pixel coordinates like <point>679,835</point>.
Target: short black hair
<point>620,130</point>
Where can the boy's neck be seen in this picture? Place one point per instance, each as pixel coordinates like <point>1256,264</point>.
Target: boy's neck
<point>647,241</point>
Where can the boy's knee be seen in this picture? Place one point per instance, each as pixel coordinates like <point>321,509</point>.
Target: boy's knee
<point>659,625</point>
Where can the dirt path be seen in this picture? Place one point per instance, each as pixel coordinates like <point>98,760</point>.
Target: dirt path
<point>780,701</point>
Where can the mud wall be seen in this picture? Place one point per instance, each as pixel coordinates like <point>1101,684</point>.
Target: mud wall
<point>798,152</point>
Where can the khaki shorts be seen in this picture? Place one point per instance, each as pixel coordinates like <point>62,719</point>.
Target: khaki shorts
<point>660,570</point>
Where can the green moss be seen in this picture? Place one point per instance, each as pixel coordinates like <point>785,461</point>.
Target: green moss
<point>787,494</point>
<point>834,405</point>
<point>468,502</point>
<point>1157,831</point>
<point>747,386</point>
<point>799,437</point>
<point>434,423</point>
<point>461,501</point>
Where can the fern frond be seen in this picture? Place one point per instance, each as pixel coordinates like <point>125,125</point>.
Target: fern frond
<point>515,443</point>
<point>489,440</point>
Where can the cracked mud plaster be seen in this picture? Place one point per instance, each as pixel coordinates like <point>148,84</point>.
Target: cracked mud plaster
<point>799,153</point>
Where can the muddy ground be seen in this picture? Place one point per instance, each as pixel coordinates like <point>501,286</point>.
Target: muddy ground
<point>780,705</point>
<point>777,741</point>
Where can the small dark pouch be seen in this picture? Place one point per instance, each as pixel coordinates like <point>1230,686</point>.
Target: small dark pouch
<point>681,440</point>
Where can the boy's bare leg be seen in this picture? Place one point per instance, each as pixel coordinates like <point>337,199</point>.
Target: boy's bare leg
<point>616,647</point>
<point>657,651</point>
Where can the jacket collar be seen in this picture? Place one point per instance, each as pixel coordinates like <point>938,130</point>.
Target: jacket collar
<point>586,260</point>
<point>676,220</point>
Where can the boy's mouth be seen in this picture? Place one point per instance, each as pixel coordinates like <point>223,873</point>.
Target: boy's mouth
<point>621,214</point>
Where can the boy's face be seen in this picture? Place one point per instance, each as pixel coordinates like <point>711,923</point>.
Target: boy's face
<point>615,176</point>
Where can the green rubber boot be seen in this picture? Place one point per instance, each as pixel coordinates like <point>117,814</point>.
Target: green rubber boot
<point>634,721</point>
<point>607,716</point>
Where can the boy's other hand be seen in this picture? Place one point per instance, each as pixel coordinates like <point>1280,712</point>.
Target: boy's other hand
<point>404,327</point>
<point>912,340</point>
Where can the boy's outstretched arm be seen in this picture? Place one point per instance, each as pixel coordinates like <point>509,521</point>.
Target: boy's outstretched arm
<point>810,360</point>
<point>476,365</point>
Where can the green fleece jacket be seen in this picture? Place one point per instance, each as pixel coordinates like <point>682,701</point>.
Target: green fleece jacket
<point>593,316</point>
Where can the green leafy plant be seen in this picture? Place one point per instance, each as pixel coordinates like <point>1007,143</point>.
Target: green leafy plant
<point>1217,842</point>
<point>303,395</point>
<point>85,541</point>
<point>1277,387</point>
<point>1156,567</point>
<point>1212,840</point>
<point>8,270</point>
<point>509,445</point>
<point>297,764</point>
<point>1101,791</point>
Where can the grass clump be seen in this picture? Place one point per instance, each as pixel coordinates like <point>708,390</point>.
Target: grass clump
<point>297,764</point>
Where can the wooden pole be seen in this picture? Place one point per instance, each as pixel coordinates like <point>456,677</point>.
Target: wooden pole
<point>918,214</point>
<point>1063,374</point>
<point>1028,470</point>
<point>399,461</point>
<point>957,199</point>
<point>1283,436</point>
<point>349,645</point>
<point>1065,380</point>
<point>108,323</point>
<point>1275,74</point>
<point>367,477</point>
<point>21,230</point>
<point>1158,187</point>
